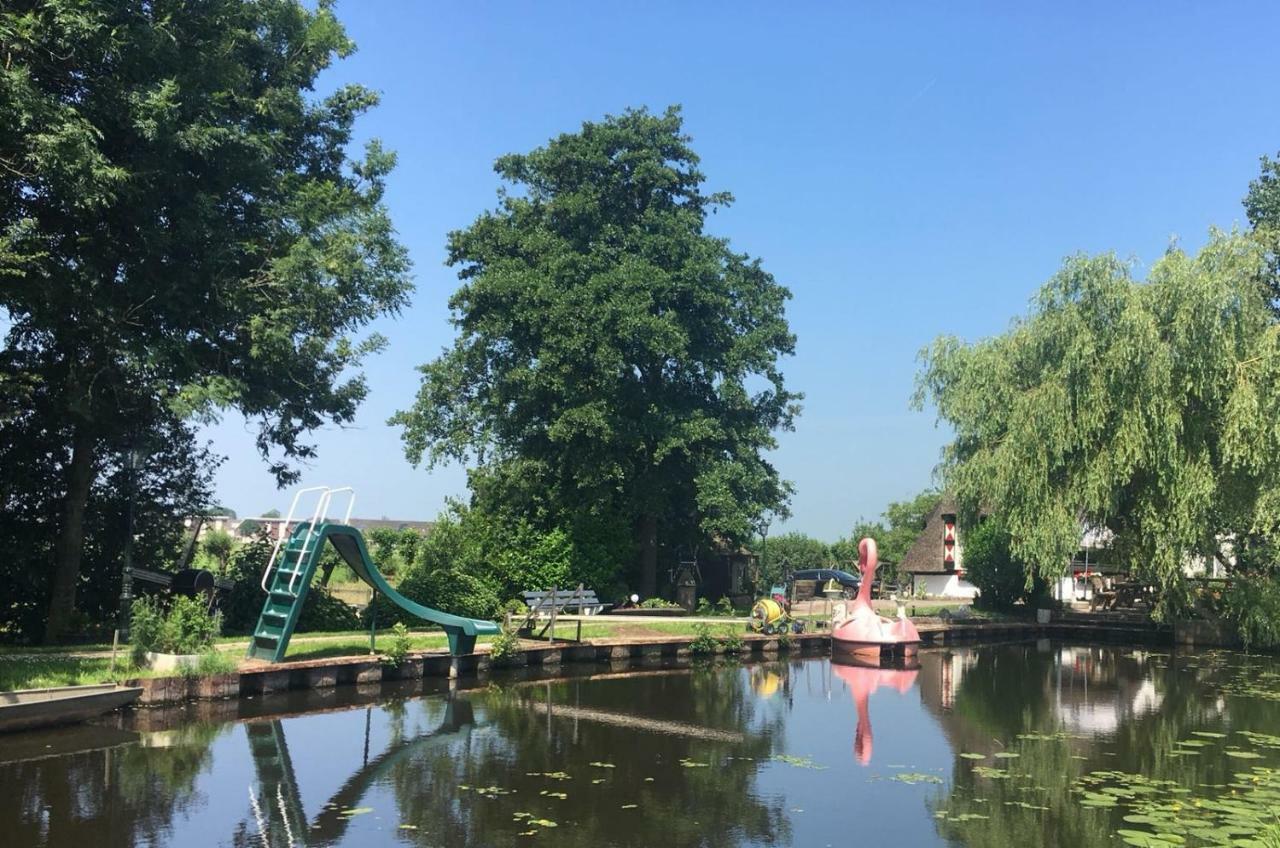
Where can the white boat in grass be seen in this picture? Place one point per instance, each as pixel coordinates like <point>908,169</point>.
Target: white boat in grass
<point>30,708</point>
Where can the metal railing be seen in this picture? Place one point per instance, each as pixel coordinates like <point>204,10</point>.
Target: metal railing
<point>318,515</point>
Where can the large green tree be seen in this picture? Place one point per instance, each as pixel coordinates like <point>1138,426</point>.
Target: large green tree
<point>610,349</point>
<point>1145,407</point>
<point>1262,206</point>
<point>182,228</point>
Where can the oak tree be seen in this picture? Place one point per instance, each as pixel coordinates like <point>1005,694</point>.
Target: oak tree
<point>610,351</point>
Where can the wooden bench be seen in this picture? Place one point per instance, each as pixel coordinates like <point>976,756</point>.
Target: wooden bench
<point>548,605</point>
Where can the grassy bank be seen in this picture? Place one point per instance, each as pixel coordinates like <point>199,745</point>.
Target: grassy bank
<point>28,668</point>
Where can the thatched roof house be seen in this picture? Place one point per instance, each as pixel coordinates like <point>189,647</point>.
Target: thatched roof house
<point>935,560</point>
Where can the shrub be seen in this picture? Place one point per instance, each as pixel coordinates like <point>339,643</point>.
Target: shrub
<point>398,651</point>
<point>989,564</point>
<point>731,641</point>
<point>243,604</point>
<point>659,603</point>
<point>504,647</point>
<point>187,628</point>
<point>703,641</point>
<point>1252,604</point>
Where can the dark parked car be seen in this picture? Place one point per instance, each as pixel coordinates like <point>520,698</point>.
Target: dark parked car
<point>848,582</point>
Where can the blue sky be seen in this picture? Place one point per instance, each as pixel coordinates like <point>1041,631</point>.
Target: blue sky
<point>905,171</point>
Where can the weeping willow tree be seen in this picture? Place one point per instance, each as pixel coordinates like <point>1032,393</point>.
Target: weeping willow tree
<point>1148,408</point>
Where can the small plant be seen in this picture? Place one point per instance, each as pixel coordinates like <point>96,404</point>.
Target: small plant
<point>784,640</point>
<point>504,647</point>
<point>211,662</point>
<point>401,641</point>
<point>704,642</point>
<point>146,626</point>
<point>658,603</point>
<point>216,662</point>
<point>731,641</point>
<point>704,608</point>
<point>187,628</point>
<point>724,607</point>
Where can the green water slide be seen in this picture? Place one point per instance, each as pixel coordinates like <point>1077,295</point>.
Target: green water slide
<point>288,581</point>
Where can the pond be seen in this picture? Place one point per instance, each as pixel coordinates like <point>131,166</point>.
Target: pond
<point>1019,744</point>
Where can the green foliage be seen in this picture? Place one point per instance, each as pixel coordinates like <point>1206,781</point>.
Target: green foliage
<point>186,627</point>
<point>475,560</point>
<point>990,565</point>
<point>1252,604</point>
<point>398,651</point>
<point>218,546</point>
<point>1147,408</point>
<point>791,552</point>
<point>504,647</point>
<point>183,230</point>
<point>612,356</point>
<point>721,608</point>
<point>658,603</point>
<point>898,529</point>
<point>174,482</point>
<point>704,642</point>
<point>210,663</point>
<point>1262,206</point>
<point>731,641</point>
<point>243,604</point>
<point>146,626</point>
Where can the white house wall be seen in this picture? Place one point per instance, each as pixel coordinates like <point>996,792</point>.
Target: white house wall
<point>946,586</point>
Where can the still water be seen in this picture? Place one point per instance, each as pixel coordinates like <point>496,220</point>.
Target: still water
<point>1009,745</point>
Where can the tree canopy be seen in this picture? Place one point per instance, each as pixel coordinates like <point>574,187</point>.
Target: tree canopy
<point>897,530</point>
<point>1148,408</point>
<point>1262,206</point>
<point>181,228</point>
<point>610,352</point>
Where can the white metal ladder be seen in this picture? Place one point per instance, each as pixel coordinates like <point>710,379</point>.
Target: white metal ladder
<point>318,515</point>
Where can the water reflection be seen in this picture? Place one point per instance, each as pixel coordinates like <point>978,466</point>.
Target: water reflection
<point>978,746</point>
<point>862,682</point>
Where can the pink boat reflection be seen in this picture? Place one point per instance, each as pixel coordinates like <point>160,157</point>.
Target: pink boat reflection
<point>862,682</point>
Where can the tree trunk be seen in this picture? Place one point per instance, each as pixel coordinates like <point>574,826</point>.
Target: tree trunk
<point>70,546</point>
<point>648,539</point>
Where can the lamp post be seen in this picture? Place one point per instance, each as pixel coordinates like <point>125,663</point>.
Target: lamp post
<point>134,458</point>
<point>762,526</point>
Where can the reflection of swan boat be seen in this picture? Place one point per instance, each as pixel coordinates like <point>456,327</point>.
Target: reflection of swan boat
<point>856,628</point>
<point>863,681</point>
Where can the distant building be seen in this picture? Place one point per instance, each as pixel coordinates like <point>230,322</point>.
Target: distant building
<point>277,527</point>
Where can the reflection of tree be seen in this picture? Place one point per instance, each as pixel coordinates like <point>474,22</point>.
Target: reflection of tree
<point>1016,690</point>
<point>680,805</point>
<point>119,796</point>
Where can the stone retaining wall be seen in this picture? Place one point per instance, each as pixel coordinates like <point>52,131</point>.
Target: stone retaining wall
<point>347,671</point>
<point>364,671</point>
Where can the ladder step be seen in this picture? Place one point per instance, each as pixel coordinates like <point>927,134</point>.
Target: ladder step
<point>272,614</point>
<point>281,593</point>
<point>270,640</point>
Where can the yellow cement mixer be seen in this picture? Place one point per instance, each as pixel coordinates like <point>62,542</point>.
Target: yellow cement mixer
<point>769,616</point>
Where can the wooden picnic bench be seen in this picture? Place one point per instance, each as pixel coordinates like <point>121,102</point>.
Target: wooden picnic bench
<point>546,606</point>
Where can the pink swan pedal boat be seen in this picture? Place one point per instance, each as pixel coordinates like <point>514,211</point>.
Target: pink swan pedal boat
<point>857,629</point>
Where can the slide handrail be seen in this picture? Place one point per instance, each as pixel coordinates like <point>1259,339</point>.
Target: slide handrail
<point>293,507</point>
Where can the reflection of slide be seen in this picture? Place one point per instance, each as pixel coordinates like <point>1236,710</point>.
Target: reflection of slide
<point>291,580</point>
<point>277,805</point>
